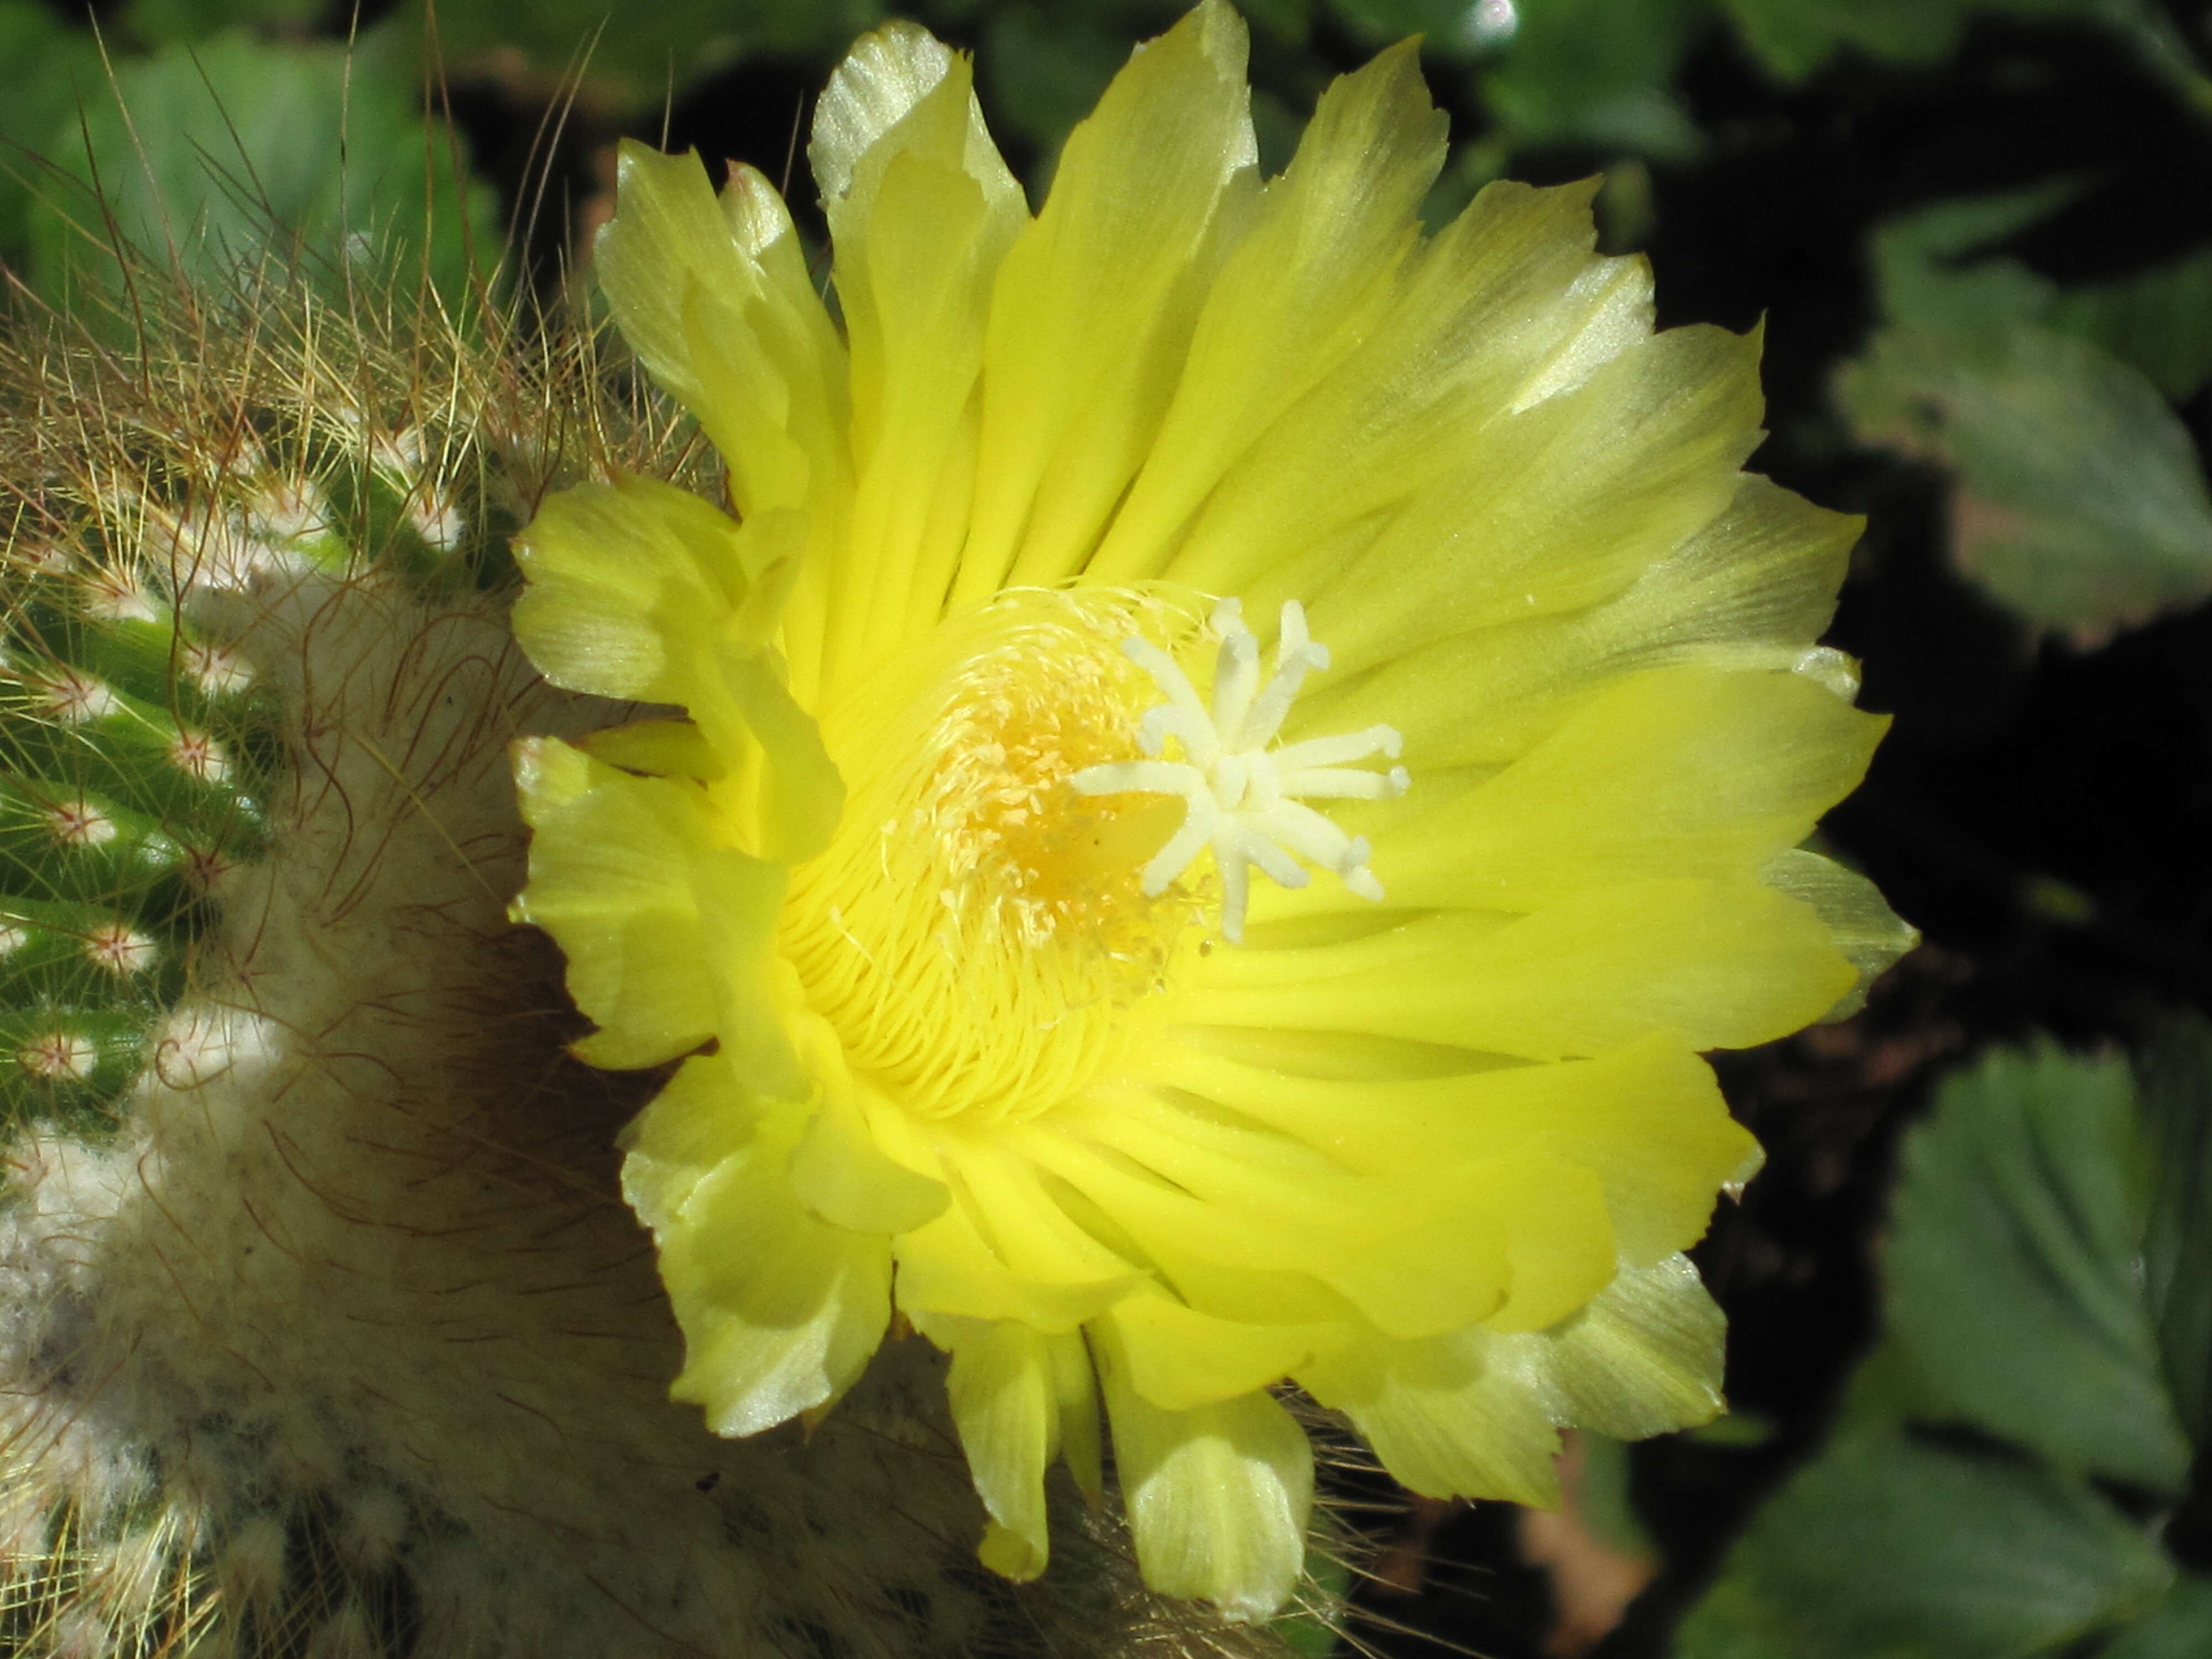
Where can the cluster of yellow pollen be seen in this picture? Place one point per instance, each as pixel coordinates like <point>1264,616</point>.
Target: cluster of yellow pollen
<point>979,929</point>
<point>1013,877</point>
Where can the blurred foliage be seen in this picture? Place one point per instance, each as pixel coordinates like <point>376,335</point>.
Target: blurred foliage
<point>47,67</point>
<point>2015,1286</point>
<point>1794,38</point>
<point>2176,1246</point>
<point>631,57</point>
<point>1887,1547</point>
<point>1966,1507</point>
<point>224,148</point>
<point>2080,499</point>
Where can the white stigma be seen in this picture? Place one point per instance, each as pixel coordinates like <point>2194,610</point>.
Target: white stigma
<point>1241,797</point>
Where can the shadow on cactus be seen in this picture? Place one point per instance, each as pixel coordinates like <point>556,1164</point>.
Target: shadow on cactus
<point>325,1331</point>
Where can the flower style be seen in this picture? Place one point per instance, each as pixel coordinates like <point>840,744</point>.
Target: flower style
<point>938,889</point>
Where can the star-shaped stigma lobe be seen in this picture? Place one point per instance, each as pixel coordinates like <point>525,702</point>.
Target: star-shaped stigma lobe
<point>1242,798</point>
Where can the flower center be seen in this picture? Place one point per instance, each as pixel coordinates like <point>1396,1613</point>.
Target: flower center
<point>979,929</point>
<point>1018,862</point>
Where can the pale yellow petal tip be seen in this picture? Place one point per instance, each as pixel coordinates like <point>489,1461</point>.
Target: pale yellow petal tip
<point>888,70</point>
<point>642,172</point>
<point>1011,1555</point>
<point>1222,35</point>
<point>549,774</point>
<point>1871,936</point>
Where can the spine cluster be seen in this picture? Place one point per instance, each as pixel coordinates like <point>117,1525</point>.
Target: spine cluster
<point>133,768</point>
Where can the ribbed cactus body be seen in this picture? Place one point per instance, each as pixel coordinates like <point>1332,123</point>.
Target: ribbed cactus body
<point>131,776</point>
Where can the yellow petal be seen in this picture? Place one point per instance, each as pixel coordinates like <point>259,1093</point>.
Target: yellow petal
<point>1179,1357</point>
<point>786,795</point>
<point>946,1267</point>
<point>696,1122</point>
<point>1075,1395</point>
<point>842,1175</point>
<point>1687,771</point>
<point>1752,588</point>
<point>1275,1296</point>
<point>658,749</point>
<point>1412,1254</point>
<point>1866,930</point>
<point>1558,507</point>
<point>921,211</point>
<point>1644,1359</point>
<point>1318,266</point>
<point>611,878</point>
<point>1559,1248</point>
<point>1217,1496</point>
<point>1023,1217</point>
<point>1096,302</point>
<point>779,1311</point>
<point>1456,1416</point>
<point>1005,1406</point>
<point>740,898</point>
<point>1506,304</point>
<point>1476,1414</point>
<point>631,585</point>
<point>871,95</point>
<point>1720,964</point>
<point>1458,1203</point>
<point>915,305</point>
<point>1650,1123</point>
<point>1647,1120</point>
<point>716,299</point>
<point>643,592</point>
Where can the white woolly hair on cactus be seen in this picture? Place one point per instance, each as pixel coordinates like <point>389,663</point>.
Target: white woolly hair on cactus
<point>326,1331</point>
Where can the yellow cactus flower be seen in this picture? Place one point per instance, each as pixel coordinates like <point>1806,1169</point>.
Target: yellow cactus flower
<point>1080,566</point>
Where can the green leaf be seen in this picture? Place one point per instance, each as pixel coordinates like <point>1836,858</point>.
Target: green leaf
<point>2013,1265</point>
<point>2160,321</point>
<point>2179,1627</point>
<point>44,64</point>
<point>239,150</point>
<point>1887,1548</point>
<point>1595,72</point>
<point>2176,1073</point>
<point>1793,37</point>
<point>2079,501</point>
<point>1918,261</point>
